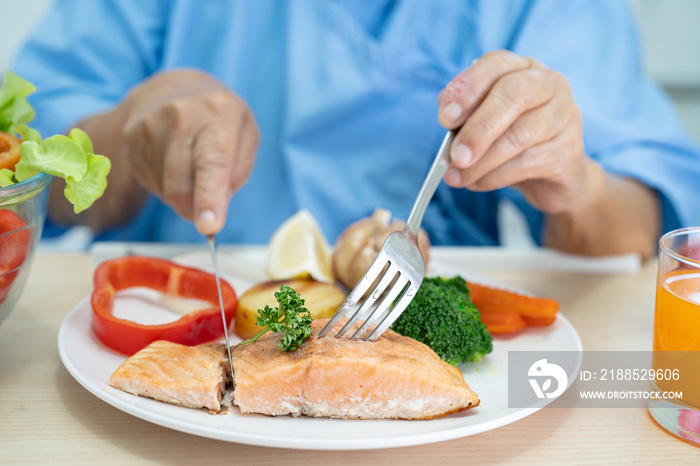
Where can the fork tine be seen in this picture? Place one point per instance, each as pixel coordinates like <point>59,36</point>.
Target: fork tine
<point>389,298</point>
<point>395,312</point>
<point>339,314</point>
<point>357,293</point>
<point>378,290</point>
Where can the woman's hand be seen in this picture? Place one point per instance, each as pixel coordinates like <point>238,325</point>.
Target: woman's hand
<point>183,136</point>
<point>520,127</point>
<point>191,141</point>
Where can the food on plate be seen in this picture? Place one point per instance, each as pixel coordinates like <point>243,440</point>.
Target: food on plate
<point>443,317</point>
<point>287,369</point>
<point>359,244</point>
<point>502,321</point>
<point>69,157</point>
<point>189,376</point>
<point>14,245</point>
<point>505,311</point>
<point>394,377</point>
<point>298,249</point>
<point>322,300</point>
<point>128,337</point>
<point>289,318</point>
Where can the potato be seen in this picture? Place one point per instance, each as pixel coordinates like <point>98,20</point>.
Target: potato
<point>321,299</point>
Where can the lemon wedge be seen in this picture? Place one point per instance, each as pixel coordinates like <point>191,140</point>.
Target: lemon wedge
<point>298,249</point>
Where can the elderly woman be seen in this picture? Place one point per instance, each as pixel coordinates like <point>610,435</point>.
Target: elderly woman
<point>228,116</point>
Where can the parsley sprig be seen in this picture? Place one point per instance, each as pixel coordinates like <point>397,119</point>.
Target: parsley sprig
<point>290,318</point>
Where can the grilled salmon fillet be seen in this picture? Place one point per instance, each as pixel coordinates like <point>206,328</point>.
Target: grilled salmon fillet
<point>190,376</point>
<point>395,377</point>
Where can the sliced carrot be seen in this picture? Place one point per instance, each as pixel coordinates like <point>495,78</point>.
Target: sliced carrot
<point>539,321</point>
<point>533,310</point>
<point>502,322</point>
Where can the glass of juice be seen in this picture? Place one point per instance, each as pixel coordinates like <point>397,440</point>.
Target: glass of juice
<point>676,357</point>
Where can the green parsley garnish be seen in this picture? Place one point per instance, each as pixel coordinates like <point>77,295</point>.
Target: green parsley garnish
<point>290,318</point>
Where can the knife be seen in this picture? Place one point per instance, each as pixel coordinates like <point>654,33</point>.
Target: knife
<point>211,242</point>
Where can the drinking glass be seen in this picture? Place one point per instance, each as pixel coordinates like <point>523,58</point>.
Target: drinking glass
<point>22,214</point>
<point>676,357</point>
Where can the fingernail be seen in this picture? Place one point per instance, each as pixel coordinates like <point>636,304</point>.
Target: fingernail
<point>461,156</point>
<point>206,224</point>
<point>451,112</point>
<point>453,177</point>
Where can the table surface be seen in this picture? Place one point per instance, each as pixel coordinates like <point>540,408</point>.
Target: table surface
<point>47,417</point>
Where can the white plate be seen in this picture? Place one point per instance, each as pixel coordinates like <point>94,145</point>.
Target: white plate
<point>91,364</point>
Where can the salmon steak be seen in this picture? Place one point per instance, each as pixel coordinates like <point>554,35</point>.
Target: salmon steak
<point>395,377</point>
<point>189,376</point>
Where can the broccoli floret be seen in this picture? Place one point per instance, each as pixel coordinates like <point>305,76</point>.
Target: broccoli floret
<point>443,317</point>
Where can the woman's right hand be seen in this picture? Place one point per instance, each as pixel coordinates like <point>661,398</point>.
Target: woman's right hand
<point>191,141</point>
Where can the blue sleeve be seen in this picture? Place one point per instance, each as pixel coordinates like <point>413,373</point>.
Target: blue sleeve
<point>630,125</point>
<point>86,55</point>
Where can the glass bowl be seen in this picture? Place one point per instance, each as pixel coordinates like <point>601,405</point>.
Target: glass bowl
<point>22,214</point>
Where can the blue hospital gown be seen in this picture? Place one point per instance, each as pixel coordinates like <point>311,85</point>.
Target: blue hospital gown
<point>345,95</point>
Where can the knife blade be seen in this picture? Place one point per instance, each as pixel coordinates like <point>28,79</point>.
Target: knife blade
<point>211,242</point>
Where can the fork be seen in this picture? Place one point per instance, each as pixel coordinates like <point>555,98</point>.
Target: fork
<point>399,265</point>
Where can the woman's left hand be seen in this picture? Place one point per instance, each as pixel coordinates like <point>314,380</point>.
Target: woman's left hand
<point>520,127</point>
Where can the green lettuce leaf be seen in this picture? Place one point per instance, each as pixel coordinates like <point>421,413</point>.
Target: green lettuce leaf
<point>58,155</point>
<point>24,169</point>
<point>28,134</point>
<point>93,184</point>
<point>69,157</point>
<point>14,108</point>
<point>83,140</point>
<point>6,176</point>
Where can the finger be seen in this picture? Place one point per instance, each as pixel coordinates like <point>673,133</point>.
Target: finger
<point>510,97</point>
<point>213,162</point>
<point>178,175</point>
<point>530,129</point>
<point>540,161</point>
<point>245,153</point>
<point>140,151</point>
<point>464,93</point>
<point>537,162</point>
<point>212,197</point>
<point>547,173</point>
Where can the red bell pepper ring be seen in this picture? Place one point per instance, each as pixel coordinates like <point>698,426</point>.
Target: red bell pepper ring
<point>128,337</point>
<point>14,245</point>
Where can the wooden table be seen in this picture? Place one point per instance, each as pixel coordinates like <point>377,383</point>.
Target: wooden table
<point>46,417</point>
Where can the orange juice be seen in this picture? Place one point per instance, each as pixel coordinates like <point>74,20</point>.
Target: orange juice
<point>677,330</point>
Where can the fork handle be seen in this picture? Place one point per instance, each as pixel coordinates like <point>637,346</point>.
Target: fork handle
<point>432,180</point>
